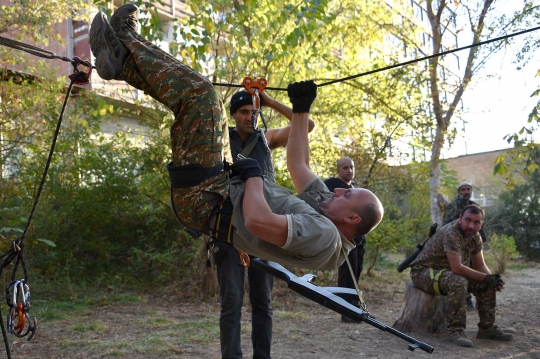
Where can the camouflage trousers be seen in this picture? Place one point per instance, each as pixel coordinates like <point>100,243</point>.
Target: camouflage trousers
<point>199,135</point>
<point>456,288</point>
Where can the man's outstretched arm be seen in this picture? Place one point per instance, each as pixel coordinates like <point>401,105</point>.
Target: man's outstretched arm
<point>278,137</point>
<point>302,95</point>
<point>258,217</point>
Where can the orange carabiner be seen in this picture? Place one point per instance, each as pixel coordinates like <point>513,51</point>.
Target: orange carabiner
<point>21,318</point>
<point>251,85</point>
<point>255,87</point>
<point>244,259</point>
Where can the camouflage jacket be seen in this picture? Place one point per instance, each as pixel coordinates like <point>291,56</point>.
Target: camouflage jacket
<point>448,239</point>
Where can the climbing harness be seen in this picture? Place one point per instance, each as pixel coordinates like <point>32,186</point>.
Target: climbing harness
<point>19,323</point>
<point>435,279</point>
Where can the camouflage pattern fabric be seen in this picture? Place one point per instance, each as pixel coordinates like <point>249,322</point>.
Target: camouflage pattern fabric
<point>456,288</point>
<point>198,134</point>
<point>448,238</point>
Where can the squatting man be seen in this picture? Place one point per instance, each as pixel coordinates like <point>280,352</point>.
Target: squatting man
<point>270,221</point>
<point>442,268</point>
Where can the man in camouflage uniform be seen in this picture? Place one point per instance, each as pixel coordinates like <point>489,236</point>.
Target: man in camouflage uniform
<point>313,230</point>
<point>441,268</point>
<point>462,199</point>
<point>190,96</point>
<point>452,212</point>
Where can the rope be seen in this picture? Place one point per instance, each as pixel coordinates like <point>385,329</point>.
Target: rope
<point>34,50</point>
<point>401,63</point>
<point>17,245</point>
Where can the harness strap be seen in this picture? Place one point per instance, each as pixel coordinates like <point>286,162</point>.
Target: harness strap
<point>251,144</point>
<point>223,228</point>
<point>435,279</point>
<point>192,174</point>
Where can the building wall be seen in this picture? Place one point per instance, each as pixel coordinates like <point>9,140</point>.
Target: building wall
<point>478,170</point>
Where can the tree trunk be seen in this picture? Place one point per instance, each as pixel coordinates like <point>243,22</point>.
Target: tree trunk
<point>422,312</point>
<point>444,111</point>
<point>435,176</point>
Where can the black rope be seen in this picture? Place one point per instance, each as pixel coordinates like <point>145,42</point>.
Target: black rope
<point>17,246</point>
<point>34,50</point>
<point>401,63</point>
<point>51,55</point>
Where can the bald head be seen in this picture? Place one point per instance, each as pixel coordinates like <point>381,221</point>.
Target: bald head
<point>354,211</point>
<point>345,169</point>
<point>371,212</point>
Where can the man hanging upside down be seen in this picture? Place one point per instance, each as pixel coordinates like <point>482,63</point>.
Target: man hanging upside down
<point>270,221</point>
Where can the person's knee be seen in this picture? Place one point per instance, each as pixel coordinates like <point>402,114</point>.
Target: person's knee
<point>457,284</point>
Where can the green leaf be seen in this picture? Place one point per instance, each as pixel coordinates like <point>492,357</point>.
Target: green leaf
<point>47,242</point>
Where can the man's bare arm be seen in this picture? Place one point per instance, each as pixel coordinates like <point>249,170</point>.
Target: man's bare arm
<point>458,268</point>
<point>278,137</point>
<point>298,152</point>
<point>258,217</point>
<point>302,95</point>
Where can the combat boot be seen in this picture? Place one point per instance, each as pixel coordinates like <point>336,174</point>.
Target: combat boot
<point>125,18</point>
<point>110,53</point>
<point>494,333</point>
<point>458,337</point>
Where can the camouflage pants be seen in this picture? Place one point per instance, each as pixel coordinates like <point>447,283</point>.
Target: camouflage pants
<point>456,288</point>
<point>199,135</point>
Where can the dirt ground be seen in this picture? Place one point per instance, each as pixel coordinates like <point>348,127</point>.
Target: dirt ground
<point>169,328</point>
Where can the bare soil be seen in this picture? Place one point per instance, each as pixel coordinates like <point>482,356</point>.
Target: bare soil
<point>168,327</point>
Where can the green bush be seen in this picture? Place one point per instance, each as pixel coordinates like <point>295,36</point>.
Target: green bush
<point>502,248</point>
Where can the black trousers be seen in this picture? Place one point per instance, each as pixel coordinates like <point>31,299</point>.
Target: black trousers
<point>356,257</point>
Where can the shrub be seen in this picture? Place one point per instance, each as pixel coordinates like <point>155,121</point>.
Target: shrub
<point>503,249</point>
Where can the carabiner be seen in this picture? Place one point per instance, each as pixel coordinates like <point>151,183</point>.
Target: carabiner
<point>80,77</point>
<point>19,303</point>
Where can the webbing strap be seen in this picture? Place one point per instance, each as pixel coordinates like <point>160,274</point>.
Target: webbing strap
<point>223,229</point>
<point>192,174</point>
<point>435,279</point>
<point>363,305</point>
<point>251,144</point>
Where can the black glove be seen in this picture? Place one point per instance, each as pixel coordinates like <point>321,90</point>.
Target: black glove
<point>246,168</point>
<point>302,95</point>
<point>493,280</point>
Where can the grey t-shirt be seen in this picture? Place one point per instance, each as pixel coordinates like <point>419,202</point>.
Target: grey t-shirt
<point>313,241</point>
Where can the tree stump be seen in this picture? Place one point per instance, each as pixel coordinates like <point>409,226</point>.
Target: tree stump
<point>422,312</point>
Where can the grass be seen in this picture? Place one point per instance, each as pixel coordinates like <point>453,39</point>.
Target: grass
<point>517,266</point>
<point>285,314</point>
<point>96,327</point>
